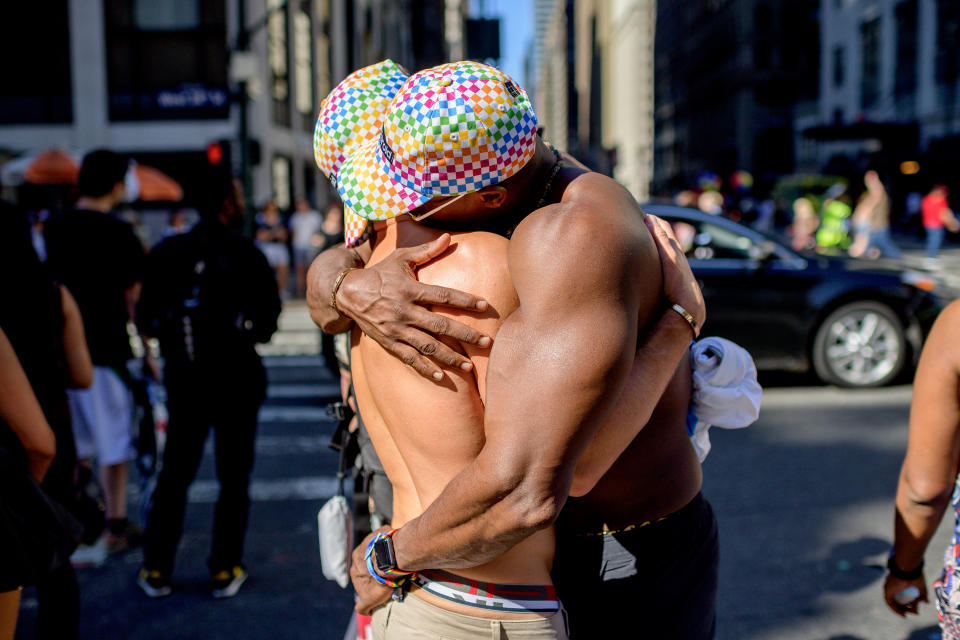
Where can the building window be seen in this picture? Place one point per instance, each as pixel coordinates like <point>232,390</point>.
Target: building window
<point>35,42</point>
<point>948,41</point>
<point>166,60</point>
<point>905,81</point>
<point>870,74</point>
<point>170,15</point>
<point>839,53</point>
<point>282,186</point>
<point>303,67</point>
<point>277,53</point>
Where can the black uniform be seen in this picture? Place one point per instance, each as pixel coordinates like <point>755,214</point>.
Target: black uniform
<point>208,296</point>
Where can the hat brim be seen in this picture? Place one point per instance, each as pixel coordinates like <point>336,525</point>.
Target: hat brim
<point>369,191</point>
<point>354,228</point>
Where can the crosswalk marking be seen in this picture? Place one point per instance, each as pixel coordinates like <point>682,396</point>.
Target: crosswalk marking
<point>303,488</point>
<point>293,414</point>
<point>287,390</point>
<point>286,445</point>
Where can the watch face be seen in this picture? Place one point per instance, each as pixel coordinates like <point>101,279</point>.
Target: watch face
<point>383,550</point>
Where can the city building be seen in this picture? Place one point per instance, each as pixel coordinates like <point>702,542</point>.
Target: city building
<point>594,85</point>
<point>730,78</point>
<point>889,91</point>
<point>163,81</point>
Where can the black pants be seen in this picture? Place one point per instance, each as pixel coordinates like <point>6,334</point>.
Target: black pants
<point>231,410</point>
<point>658,582</point>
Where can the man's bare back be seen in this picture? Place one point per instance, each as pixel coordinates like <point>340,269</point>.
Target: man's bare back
<point>424,432</point>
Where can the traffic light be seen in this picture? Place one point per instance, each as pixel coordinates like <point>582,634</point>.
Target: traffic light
<point>218,153</point>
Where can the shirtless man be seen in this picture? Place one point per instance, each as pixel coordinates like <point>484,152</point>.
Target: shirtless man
<point>555,375</point>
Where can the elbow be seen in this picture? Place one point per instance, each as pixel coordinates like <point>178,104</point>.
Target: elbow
<point>529,500</point>
<point>584,480</point>
<point>537,511</point>
<point>44,450</point>
<point>535,506</point>
<point>926,492</point>
<point>82,379</point>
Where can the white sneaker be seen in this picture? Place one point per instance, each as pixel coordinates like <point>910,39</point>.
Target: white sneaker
<point>226,584</point>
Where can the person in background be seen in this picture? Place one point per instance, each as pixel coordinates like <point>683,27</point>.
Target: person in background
<point>208,297</point>
<point>874,213</point>
<point>100,259</point>
<point>27,447</point>
<point>304,226</point>
<point>271,238</point>
<point>45,330</point>
<point>833,235</point>
<point>928,477</point>
<point>804,227</point>
<point>937,215</point>
<point>178,223</point>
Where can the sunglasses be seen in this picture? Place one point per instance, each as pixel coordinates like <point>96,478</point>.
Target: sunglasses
<point>421,216</point>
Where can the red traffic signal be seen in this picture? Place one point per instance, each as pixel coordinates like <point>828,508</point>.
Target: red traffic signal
<point>215,153</point>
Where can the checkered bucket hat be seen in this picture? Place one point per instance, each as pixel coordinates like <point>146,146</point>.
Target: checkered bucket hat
<point>451,130</point>
<point>349,116</point>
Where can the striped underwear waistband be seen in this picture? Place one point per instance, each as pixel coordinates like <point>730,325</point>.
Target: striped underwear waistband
<point>516,598</point>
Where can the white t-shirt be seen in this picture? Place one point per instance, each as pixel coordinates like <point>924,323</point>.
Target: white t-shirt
<point>303,226</point>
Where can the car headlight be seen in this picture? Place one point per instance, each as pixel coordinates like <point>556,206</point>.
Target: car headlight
<point>918,280</point>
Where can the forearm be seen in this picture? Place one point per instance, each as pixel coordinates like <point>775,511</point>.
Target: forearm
<point>320,280</point>
<point>915,522</point>
<point>21,411</point>
<point>653,367</point>
<point>551,386</point>
<point>475,520</point>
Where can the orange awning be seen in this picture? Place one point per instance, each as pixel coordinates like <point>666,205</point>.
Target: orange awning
<point>156,185</point>
<point>53,166</point>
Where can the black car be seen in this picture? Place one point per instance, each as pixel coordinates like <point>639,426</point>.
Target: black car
<point>857,324</point>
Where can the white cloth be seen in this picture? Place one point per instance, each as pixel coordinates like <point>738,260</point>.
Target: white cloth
<point>303,226</point>
<point>102,418</point>
<point>335,530</point>
<point>726,393</point>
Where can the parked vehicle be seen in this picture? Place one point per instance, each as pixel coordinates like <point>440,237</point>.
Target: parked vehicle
<point>856,323</point>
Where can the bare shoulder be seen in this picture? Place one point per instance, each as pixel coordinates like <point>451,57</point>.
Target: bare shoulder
<point>476,262</point>
<point>596,229</point>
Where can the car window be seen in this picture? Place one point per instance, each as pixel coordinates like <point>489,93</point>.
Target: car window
<point>705,241</point>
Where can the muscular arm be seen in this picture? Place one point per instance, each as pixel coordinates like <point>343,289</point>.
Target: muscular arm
<point>654,364</point>
<point>558,364</point>
<point>930,466</point>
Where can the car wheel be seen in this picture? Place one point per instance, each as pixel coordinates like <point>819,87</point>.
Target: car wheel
<point>860,344</point>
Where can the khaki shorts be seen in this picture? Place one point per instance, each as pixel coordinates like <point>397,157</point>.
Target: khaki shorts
<point>415,619</point>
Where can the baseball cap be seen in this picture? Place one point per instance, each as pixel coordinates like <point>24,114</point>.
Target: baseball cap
<point>351,114</point>
<point>451,129</point>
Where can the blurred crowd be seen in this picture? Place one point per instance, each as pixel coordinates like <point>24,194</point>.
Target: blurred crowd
<point>831,216</point>
<point>113,355</point>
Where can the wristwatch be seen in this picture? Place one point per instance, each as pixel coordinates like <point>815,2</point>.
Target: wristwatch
<point>384,554</point>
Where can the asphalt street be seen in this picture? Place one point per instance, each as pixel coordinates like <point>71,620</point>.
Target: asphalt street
<point>805,503</point>
<point>804,498</point>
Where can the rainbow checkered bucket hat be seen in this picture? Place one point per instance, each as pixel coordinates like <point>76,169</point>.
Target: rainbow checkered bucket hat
<point>452,129</point>
<point>349,116</point>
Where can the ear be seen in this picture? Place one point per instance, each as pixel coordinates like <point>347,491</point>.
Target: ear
<point>493,196</point>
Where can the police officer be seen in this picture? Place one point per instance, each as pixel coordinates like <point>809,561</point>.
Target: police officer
<point>208,296</point>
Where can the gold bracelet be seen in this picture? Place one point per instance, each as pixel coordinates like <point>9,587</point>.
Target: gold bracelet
<point>689,318</point>
<point>336,286</point>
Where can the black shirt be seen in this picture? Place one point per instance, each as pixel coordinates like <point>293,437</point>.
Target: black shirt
<point>98,258</point>
<point>208,295</point>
